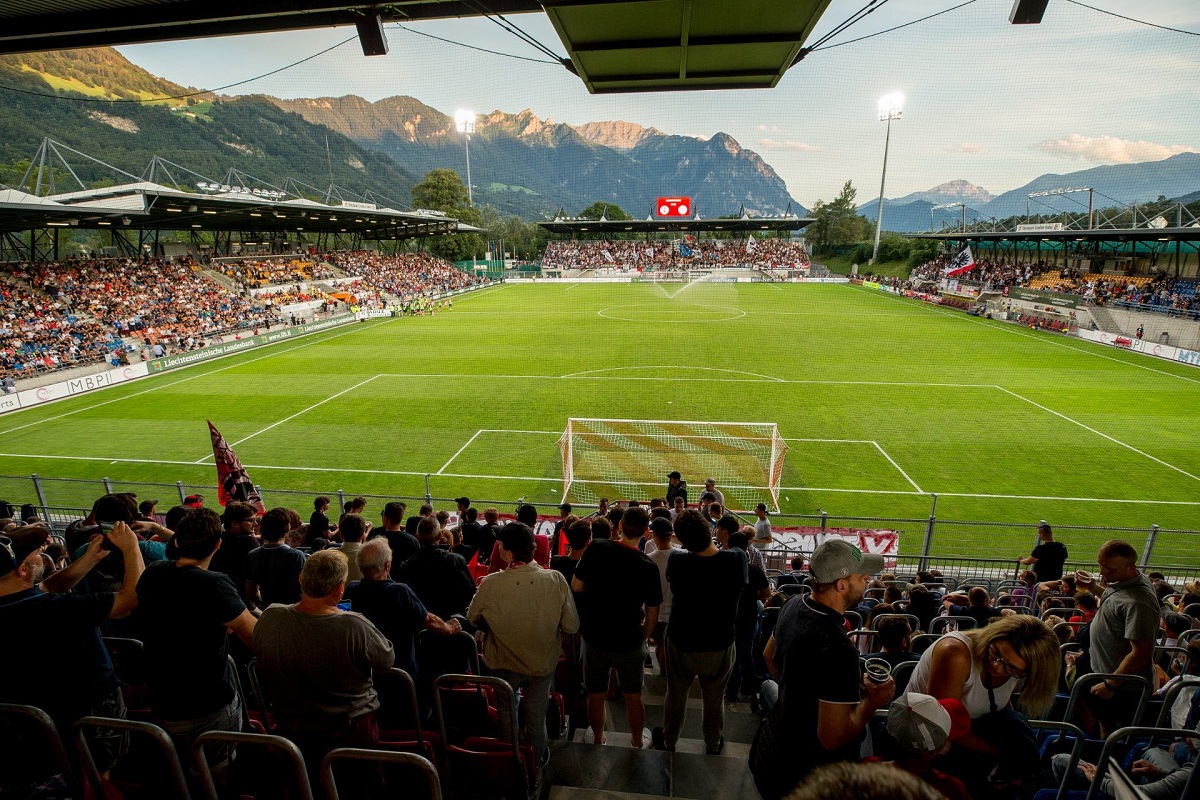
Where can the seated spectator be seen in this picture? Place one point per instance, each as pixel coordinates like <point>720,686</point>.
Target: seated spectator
<point>1086,605</point>
<point>437,576</point>
<point>316,662</point>
<point>1179,711</point>
<point>353,530</point>
<point>320,530</point>
<point>392,607</point>
<point>240,538</point>
<point>920,728</point>
<point>893,640</point>
<point>1029,584</point>
<point>1173,626</point>
<point>976,604</point>
<point>923,604</point>
<point>273,569</point>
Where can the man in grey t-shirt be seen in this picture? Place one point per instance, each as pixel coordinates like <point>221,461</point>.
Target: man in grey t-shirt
<point>1122,634</point>
<point>762,528</point>
<point>315,662</point>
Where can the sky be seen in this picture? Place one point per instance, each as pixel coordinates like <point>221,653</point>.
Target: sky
<point>988,102</point>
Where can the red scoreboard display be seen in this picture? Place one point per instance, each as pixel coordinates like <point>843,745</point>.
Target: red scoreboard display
<point>673,206</point>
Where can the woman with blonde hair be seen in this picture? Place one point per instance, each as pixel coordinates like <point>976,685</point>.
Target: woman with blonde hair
<point>983,669</point>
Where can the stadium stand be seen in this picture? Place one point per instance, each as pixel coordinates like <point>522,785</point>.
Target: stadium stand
<point>652,255</point>
<point>406,277</point>
<point>252,274</point>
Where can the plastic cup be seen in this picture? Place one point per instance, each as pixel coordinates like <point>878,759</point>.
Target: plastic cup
<point>878,670</point>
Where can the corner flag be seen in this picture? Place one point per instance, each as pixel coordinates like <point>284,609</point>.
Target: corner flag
<point>963,262</point>
<point>233,484</point>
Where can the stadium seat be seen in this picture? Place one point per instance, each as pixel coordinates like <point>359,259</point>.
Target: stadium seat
<point>902,674</point>
<point>951,623</point>
<point>33,754</point>
<point>129,662</point>
<point>484,761</point>
<point>267,767</point>
<point>1075,739</point>
<point>150,769</point>
<point>923,641</point>
<point>399,715</point>
<point>914,622</point>
<point>402,774</point>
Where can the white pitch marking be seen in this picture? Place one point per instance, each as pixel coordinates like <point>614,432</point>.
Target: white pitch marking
<point>273,352</point>
<point>897,466</point>
<point>1098,433</point>
<point>653,366</point>
<point>459,452</point>
<point>293,416</point>
<point>585,377</point>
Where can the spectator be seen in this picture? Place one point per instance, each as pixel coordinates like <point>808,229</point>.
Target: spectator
<point>745,677</point>
<point>558,547</point>
<point>975,603</point>
<point>922,727</point>
<point>578,536</point>
<point>824,705</point>
<point>240,538</point>
<point>187,612</point>
<point>273,569</point>
<point>676,488</point>
<point>706,584</point>
<point>487,534</point>
<point>726,526</point>
<point>893,638</point>
<point>1185,667</point>
<point>410,525</point>
<point>1086,604</point>
<point>621,586</point>
<point>319,529</point>
<point>763,535</point>
<point>842,780</point>
<point>58,633</point>
<point>525,610</point>
<point>922,604</point>
<point>403,544</point>
<point>678,504</point>
<point>353,529</point>
<point>526,515</point>
<point>1048,557</point>
<point>392,607</point>
<point>661,554</point>
<point>469,534</point>
<point>316,661</point>
<point>982,669</point>
<point>1122,634</point>
<point>440,578</point>
<point>710,486</point>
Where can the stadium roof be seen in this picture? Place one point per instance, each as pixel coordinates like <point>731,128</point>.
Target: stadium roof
<point>613,45</point>
<point>744,223</point>
<point>146,205</point>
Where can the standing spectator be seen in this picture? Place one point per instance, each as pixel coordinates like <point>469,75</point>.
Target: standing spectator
<point>486,534</point>
<point>824,701</point>
<point>411,523</point>
<point>526,515</point>
<point>763,536</point>
<point>273,569</point>
<point>187,613</point>
<point>623,595</point>
<point>745,677</point>
<point>525,610</point>
<point>319,529</point>
<point>1048,557</point>
<point>404,545</point>
<point>579,537</point>
<point>58,633</point>
<point>710,486</point>
<point>706,584</point>
<point>1122,634</point>
<point>663,548</point>
<point>353,529</point>
<point>469,534</point>
<point>240,538</point>
<point>676,487</point>
<point>558,547</point>
<point>678,504</point>
<point>392,607</point>
<point>437,576</point>
<point>316,661</point>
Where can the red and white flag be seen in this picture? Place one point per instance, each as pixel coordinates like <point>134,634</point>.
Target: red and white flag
<point>233,484</point>
<point>963,262</point>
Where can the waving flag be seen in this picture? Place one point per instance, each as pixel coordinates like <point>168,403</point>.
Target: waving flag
<point>963,262</point>
<point>608,256</point>
<point>233,484</point>
<point>685,251</point>
<point>751,244</point>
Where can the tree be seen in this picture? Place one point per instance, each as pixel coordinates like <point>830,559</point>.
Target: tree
<point>838,223</point>
<point>443,190</point>
<point>608,210</point>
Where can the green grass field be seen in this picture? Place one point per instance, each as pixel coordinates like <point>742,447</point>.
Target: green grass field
<point>886,401</point>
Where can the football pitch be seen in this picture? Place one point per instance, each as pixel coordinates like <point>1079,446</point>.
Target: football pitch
<point>883,401</point>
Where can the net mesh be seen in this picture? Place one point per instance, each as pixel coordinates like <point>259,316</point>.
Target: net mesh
<point>630,459</point>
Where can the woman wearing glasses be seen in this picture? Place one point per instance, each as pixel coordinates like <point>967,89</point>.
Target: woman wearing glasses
<point>983,669</point>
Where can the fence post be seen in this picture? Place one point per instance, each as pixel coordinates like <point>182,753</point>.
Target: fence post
<point>341,502</point>
<point>428,494</point>
<point>927,545</point>
<point>1149,549</point>
<point>107,486</point>
<point>824,518</point>
<point>41,496</point>
<point>258,489</point>
<point>182,496</point>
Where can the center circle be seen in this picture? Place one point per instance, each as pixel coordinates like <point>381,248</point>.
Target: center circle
<point>657,312</point>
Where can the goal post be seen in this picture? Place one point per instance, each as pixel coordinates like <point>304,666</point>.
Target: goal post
<point>630,458</point>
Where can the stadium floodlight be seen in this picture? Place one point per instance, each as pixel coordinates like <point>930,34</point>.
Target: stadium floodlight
<point>464,123</point>
<point>631,458</point>
<point>891,106</point>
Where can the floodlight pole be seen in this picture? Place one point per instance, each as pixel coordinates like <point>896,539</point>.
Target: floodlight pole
<point>470,194</point>
<point>464,122</point>
<point>889,109</point>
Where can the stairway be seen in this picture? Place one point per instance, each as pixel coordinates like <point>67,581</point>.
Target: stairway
<point>220,278</point>
<point>1104,319</point>
<point>615,771</point>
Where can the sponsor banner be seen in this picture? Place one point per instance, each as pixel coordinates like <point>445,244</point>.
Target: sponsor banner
<point>1166,351</point>
<point>872,285</point>
<point>359,206</point>
<point>884,542</point>
<point>72,386</point>
<point>1040,227</point>
<point>1043,296</point>
<point>226,348</point>
<point>373,313</point>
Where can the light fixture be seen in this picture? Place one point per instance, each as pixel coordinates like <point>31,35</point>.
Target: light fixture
<point>891,106</point>
<point>125,220</point>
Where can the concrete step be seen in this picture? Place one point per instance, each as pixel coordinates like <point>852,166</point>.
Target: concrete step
<point>578,771</point>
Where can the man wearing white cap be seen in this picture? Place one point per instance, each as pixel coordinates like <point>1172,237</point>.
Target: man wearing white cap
<point>824,703</point>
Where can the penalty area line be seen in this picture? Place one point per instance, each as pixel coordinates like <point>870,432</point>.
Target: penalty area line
<point>897,466</point>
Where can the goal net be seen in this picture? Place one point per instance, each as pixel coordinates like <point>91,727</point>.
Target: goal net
<point>631,458</point>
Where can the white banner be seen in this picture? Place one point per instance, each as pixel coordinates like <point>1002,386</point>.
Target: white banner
<point>1169,352</point>
<point>72,386</point>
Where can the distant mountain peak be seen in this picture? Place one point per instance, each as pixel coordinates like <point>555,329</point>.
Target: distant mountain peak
<point>618,134</point>
<point>962,189</point>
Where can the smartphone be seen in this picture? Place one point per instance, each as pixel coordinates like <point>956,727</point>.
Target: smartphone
<point>105,529</point>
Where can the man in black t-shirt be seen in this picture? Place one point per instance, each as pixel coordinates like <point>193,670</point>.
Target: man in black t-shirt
<point>241,536</point>
<point>623,594</point>
<point>437,576</point>
<point>825,702</point>
<point>1048,557</point>
<point>273,570</point>
<point>319,529</point>
<point>403,544</point>
<point>410,524</point>
<point>745,678</point>
<point>706,584</point>
<point>187,612</point>
<point>579,537</point>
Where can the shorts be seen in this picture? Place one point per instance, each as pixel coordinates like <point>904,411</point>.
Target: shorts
<point>629,666</point>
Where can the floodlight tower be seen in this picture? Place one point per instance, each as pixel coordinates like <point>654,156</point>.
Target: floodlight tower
<point>891,106</point>
<point>464,122</point>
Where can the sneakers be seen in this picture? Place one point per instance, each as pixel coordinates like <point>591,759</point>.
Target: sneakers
<point>589,737</point>
<point>647,739</point>
<point>717,750</point>
<point>659,740</point>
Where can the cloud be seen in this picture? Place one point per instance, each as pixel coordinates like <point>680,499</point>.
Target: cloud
<point>967,148</point>
<point>769,128</point>
<point>776,144</point>
<point>1111,149</point>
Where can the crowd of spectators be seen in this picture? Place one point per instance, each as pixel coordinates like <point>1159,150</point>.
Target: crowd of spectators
<point>764,253</point>
<point>249,274</point>
<point>990,275</point>
<point>324,606</point>
<point>406,276</point>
